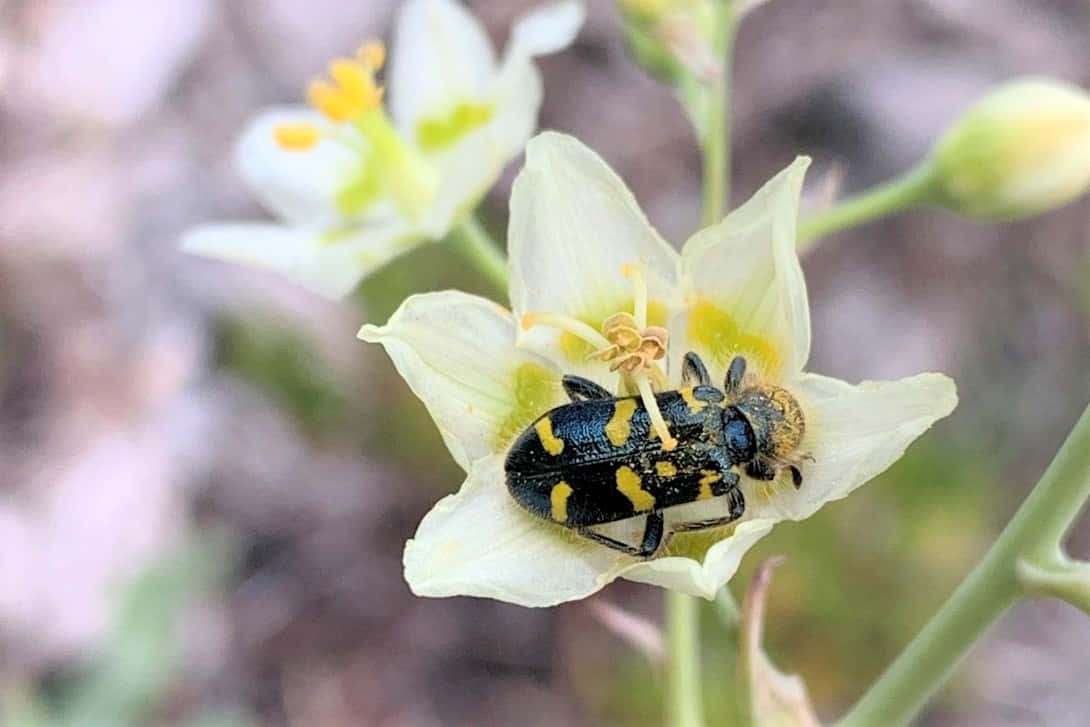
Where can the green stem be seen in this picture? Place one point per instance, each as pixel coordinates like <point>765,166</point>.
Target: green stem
<point>683,700</point>
<point>1023,561</point>
<point>911,188</point>
<point>476,246</point>
<point>715,140</point>
<point>683,685</point>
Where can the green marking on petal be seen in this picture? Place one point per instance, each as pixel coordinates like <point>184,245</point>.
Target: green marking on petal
<point>435,133</point>
<point>696,544</point>
<point>360,192</point>
<point>535,391</point>
<point>714,329</point>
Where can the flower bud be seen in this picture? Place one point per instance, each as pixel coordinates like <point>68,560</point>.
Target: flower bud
<point>673,38</point>
<point>1021,150</point>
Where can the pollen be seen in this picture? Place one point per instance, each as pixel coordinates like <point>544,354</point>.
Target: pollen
<point>296,137</point>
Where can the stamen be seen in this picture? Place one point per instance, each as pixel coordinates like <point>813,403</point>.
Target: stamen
<point>643,383</point>
<point>571,325</point>
<point>634,273</point>
<point>355,82</point>
<point>296,137</point>
<point>372,55</point>
<point>328,99</point>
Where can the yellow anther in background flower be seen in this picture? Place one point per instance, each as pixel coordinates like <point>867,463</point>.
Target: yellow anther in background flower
<point>372,54</point>
<point>352,92</point>
<point>296,137</point>
<point>329,100</point>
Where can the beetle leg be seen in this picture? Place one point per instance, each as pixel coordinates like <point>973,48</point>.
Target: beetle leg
<point>735,373</point>
<point>737,509</point>
<point>579,389</point>
<point>693,368</point>
<point>652,538</point>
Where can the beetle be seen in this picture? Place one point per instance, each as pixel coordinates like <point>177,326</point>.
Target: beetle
<point>598,459</point>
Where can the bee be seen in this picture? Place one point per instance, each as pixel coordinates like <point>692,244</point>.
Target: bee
<point>599,460</point>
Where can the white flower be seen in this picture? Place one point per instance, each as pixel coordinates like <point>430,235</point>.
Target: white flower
<point>354,186</point>
<point>578,243</point>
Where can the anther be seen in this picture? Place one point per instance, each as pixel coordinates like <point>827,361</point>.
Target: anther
<point>296,137</point>
<point>329,100</point>
<point>372,55</point>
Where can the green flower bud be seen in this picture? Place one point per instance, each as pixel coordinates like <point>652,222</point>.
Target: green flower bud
<point>673,38</point>
<point>1021,150</point>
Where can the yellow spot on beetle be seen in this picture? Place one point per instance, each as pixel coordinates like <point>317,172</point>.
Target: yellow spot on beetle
<point>629,485</point>
<point>553,444</point>
<point>620,424</point>
<point>710,477</point>
<point>665,469</point>
<point>695,404</point>
<point>558,498</point>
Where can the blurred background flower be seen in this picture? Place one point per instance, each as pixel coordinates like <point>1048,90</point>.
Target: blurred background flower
<point>146,397</point>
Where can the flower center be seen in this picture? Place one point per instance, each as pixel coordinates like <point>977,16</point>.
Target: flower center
<point>625,340</point>
<point>387,168</point>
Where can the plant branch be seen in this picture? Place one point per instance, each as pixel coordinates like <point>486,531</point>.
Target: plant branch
<point>478,248</point>
<point>911,188</point>
<point>1026,560</point>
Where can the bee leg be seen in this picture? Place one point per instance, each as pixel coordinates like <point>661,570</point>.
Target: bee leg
<point>579,389</point>
<point>735,374</point>
<point>692,368</point>
<point>796,476</point>
<point>652,538</point>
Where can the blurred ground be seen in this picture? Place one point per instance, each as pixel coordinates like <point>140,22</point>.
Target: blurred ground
<point>152,403</point>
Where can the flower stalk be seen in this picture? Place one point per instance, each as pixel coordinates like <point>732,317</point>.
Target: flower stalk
<point>684,686</point>
<point>912,188</point>
<point>473,243</point>
<point>1027,560</point>
<point>684,707</point>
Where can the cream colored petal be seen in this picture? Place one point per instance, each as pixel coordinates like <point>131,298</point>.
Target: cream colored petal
<point>574,226</point>
<point>299,187</point>
<point>328,265</point>
<point>744,286</point>
<point>457,353</point>
<point>702,579</point>
<point>480,543</point>
<point>441,56</point>
<point>853,434</point>
<point>516,92</point>
<point>466,173</point>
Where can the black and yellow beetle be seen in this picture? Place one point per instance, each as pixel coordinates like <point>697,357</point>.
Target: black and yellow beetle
<point>598,459</point>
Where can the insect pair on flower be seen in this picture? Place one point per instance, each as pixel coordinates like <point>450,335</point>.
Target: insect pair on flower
<point>581,253</point>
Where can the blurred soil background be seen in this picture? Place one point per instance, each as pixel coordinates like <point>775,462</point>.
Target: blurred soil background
<point>206,481</point>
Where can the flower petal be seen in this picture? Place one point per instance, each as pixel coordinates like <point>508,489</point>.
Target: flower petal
<point>702,579</point>
<point>328,265</point>
<point>744,286</point>
<point>853,434</point>
<point>299,187</point>
<point>516,92</point>
<point>457,353</point>
<point>466,173</point>
<point>573,227</point>
<point>441,56</point>
<point>480,543</point>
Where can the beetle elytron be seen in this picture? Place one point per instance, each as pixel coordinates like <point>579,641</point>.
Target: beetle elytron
<point>599,459</point>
